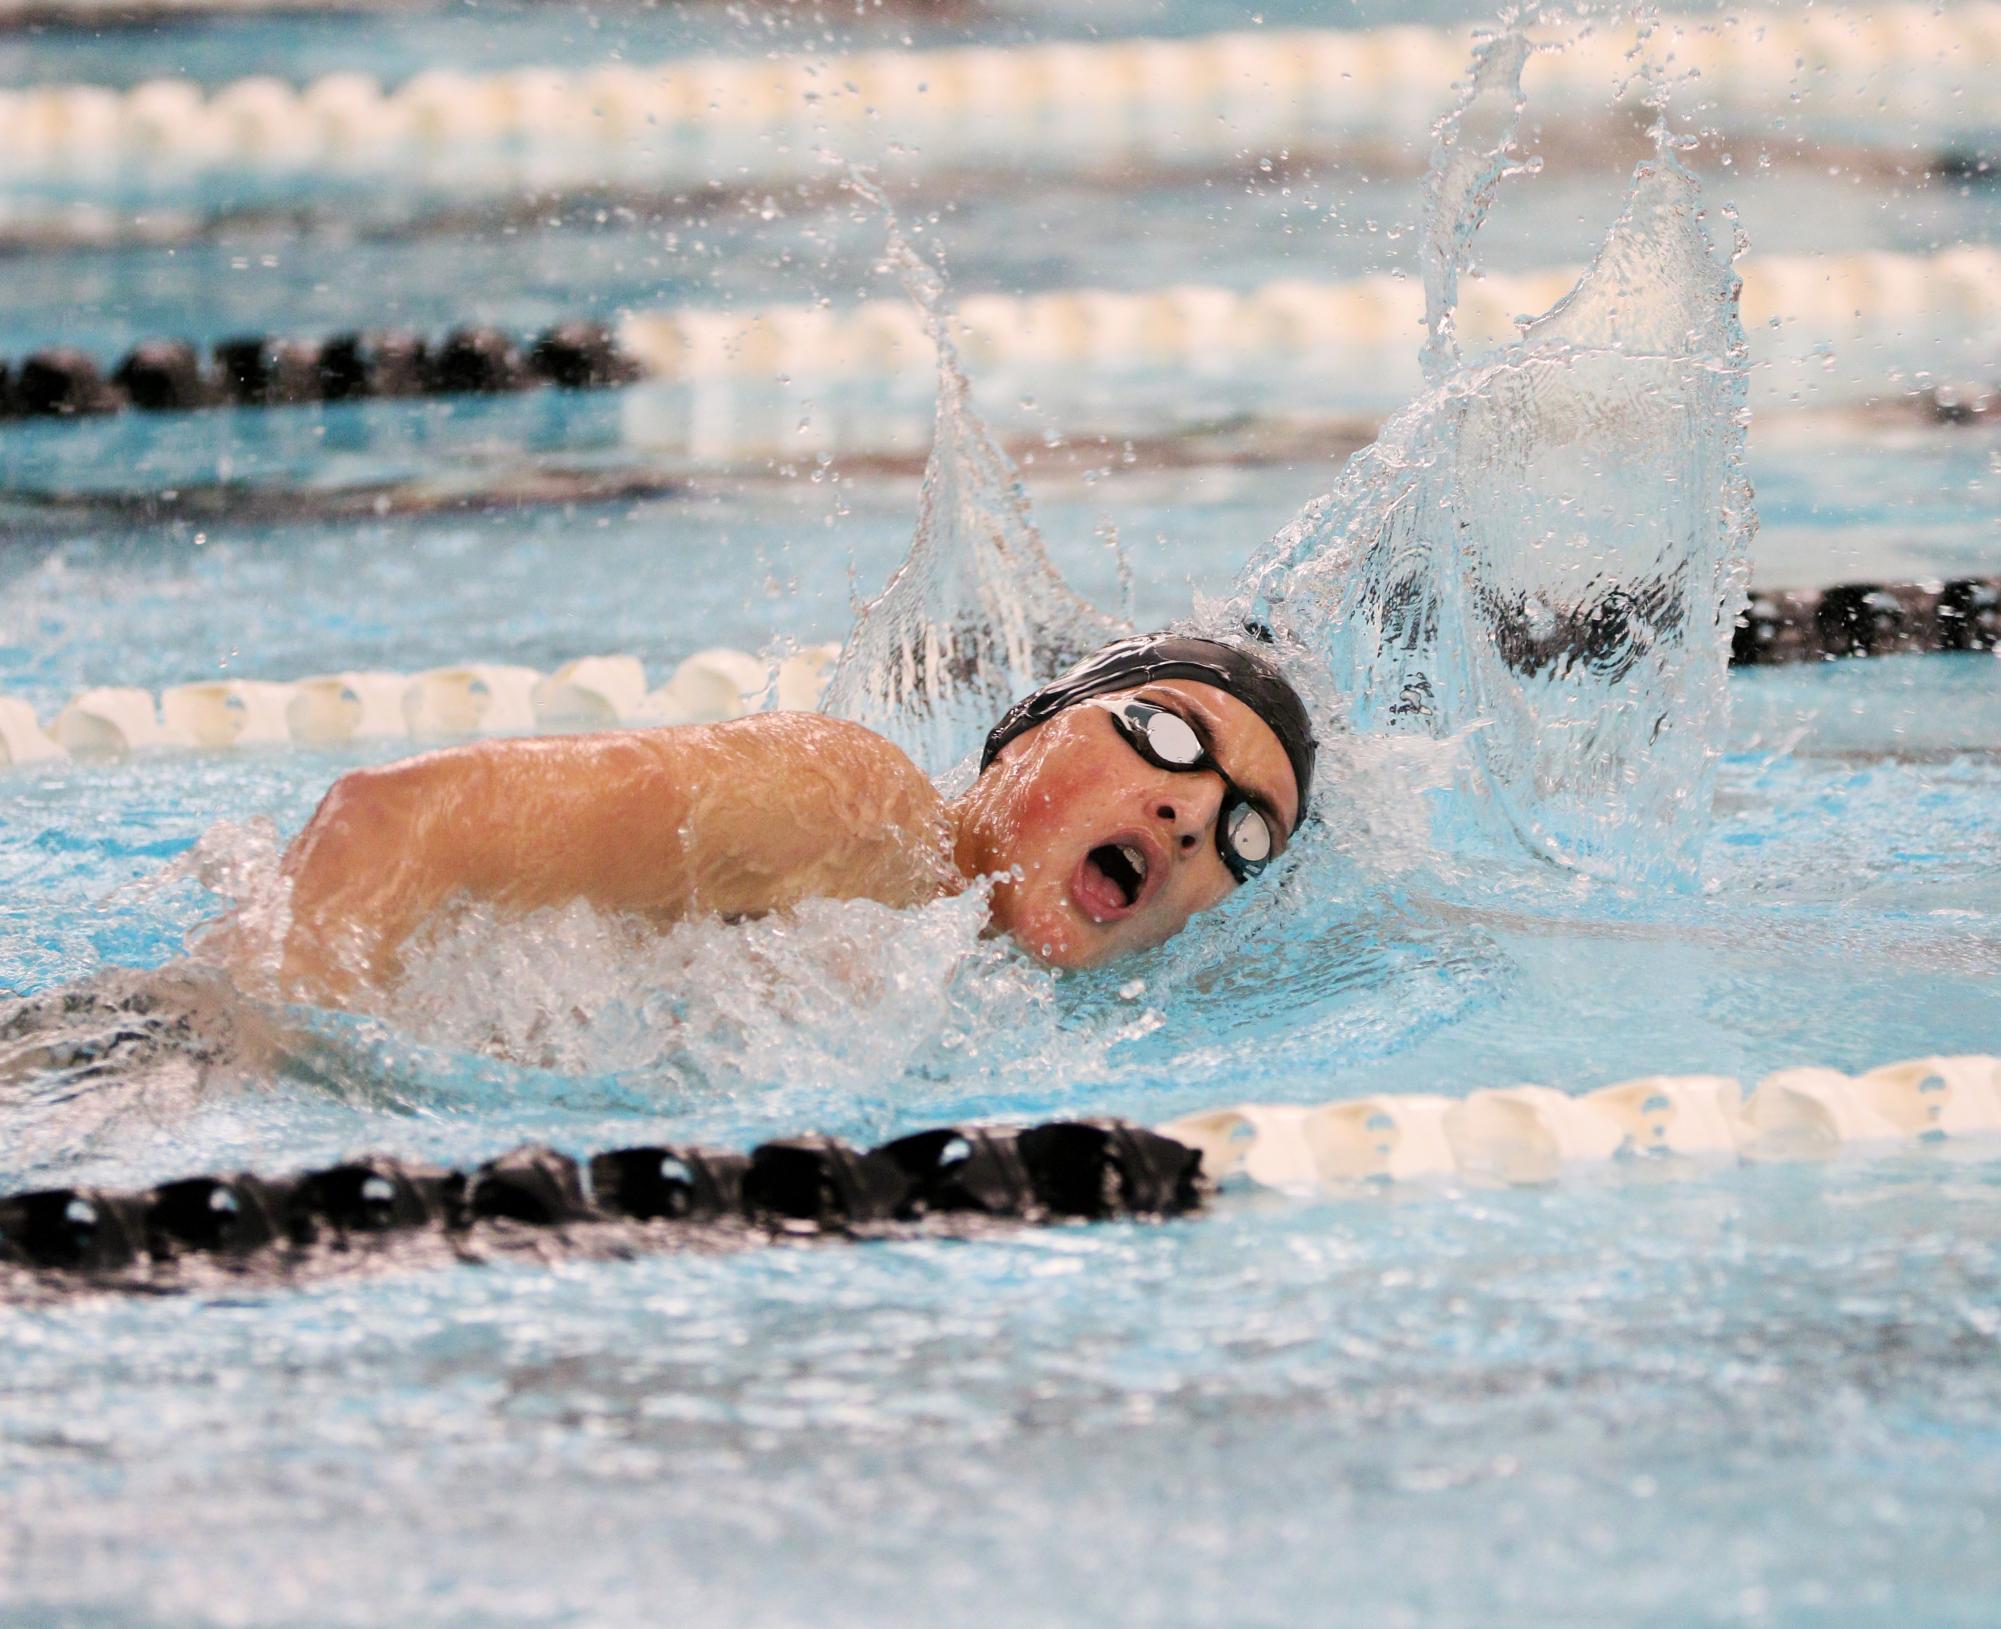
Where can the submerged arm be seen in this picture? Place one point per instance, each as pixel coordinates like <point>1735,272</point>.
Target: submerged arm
<point>735,819</point>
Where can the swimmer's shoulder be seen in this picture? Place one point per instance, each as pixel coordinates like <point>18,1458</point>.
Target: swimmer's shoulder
<point>827,751</point>
<point>866,819</point>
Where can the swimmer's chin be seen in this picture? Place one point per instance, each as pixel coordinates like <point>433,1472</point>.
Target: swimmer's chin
<point>1066,940</point>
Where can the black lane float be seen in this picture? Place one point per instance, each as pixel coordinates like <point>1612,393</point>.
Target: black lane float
<point>1868,619</point>
<point>649,1196</point>
<point>174,376</point>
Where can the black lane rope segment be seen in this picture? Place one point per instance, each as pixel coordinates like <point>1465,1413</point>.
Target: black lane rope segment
<point>1775,627</point>
<point>173,376</point>
<point>647,1197</point>
<point>1868,619</point>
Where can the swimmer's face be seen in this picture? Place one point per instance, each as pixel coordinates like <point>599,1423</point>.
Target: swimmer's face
<point>1103,853</point>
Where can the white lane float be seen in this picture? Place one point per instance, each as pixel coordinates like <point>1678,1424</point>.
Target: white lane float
<point>1049,105</point>
<point>22,740</point>
<point>1528,1133</point>
<point>1260,1141</point>
<point>109,721</point>
<point>710,687</point>
<point>1531,1135</point>
<point>228,712</point>
<point>1809,1113</point>
<point>591,693</point>
<point>330,709</point>
<point>485,698</point>
<point>1942,309</point>
<point>1675,1114</point>
<point>443,703</point>
<point>1952,1097</point>
<point>1386,1137</point>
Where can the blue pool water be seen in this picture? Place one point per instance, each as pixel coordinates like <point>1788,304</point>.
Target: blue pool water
<point>1670,1394</point>
<point>1458,1407</point>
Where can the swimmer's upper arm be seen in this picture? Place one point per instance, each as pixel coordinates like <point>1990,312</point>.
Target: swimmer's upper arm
<point>735,819</point>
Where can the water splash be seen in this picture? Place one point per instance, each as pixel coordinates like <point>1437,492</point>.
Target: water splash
<point>834,994</point>
<point>1475,153</point>
<point>976,614</point>
<point>1542,556</point>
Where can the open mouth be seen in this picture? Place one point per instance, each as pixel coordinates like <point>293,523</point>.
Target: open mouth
<point>1111,880</point>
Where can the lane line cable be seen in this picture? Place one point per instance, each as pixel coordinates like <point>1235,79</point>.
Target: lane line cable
<point>186,1233</point>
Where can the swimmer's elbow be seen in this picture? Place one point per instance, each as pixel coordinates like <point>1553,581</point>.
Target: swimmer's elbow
<point>363,805</point>
<point>376,830</point>
<point>361,879</point>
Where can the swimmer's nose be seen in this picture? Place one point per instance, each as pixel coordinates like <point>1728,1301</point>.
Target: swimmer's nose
<point>1185,819</point>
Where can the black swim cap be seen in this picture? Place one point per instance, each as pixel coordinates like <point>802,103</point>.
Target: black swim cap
<point>1129,663</point>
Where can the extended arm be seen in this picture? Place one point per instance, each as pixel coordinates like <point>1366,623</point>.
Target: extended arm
<point>736,819</point>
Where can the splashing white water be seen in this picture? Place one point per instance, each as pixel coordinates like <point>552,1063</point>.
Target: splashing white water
<point>976,614</point>
<point>1475,153</point>
<point>844,994</point>
<point>1542,556</point>
<point>241,862</point>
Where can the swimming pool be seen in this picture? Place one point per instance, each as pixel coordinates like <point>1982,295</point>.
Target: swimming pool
<point>1662,1394</point>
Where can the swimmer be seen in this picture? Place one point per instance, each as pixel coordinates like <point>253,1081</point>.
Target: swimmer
<point>1111,806</point>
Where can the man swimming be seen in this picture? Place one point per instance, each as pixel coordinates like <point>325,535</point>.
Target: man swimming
<point>1111,806</point>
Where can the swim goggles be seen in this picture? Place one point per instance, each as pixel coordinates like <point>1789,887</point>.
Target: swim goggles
<point>1168,741</point>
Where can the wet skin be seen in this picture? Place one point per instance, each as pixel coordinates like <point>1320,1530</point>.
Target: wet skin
<point>1099,853</point>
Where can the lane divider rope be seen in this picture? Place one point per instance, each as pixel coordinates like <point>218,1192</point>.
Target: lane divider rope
<point>609,692</point>
<point>478,698</point>
<point>128,13</point>
<point>1077,1170</point>
<point>1867,619</point>
<point>1066,103</point>
<point>172,375</point>
<point>659,1196</point>
<point>1901,304</point>
<point>42,220</point>
<point>1533,1134</point>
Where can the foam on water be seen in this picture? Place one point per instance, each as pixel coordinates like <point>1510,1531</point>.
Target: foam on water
<point>843,993</point>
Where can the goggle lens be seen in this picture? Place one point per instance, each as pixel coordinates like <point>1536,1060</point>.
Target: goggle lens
<point>1248,834</point>
<point>1243,835</point>
<point>1173,740</point>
